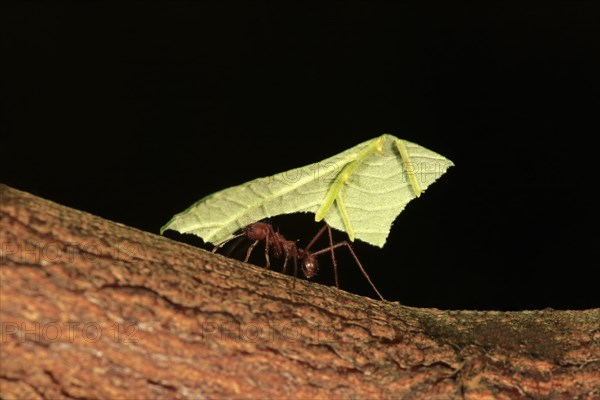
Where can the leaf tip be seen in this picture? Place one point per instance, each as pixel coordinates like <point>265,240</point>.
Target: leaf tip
<point>166,226</point>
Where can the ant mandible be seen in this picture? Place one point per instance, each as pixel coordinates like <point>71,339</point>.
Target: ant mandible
<point>280,246</point>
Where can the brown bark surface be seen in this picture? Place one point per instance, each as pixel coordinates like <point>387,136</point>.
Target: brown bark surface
<point>91,308</point>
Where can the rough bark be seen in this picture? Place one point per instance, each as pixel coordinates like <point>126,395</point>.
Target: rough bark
<point>93,309</point>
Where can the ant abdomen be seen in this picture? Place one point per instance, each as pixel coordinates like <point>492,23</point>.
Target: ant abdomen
<point>257,231</point>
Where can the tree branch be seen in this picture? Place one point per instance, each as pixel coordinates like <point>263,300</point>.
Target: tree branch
<point>90,308</point>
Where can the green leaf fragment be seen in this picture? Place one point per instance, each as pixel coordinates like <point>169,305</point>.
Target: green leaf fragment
<point>360,191</point>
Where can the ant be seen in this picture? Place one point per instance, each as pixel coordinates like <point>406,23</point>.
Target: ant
<point>280,246</point>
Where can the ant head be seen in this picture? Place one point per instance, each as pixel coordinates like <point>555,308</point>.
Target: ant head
<point>310,266</point>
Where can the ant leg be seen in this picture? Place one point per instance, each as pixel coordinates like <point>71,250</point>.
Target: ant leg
<point>285,262</point>
<point>335,272</point>
<point>295,272</point>
<point>267,251</point>
<point>364,272</point>
<point>224,242</point>
<point>252,246</point>
<point>317,236</point>
<point>312,242</point>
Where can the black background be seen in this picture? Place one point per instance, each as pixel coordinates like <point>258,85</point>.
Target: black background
<point>133,111</point>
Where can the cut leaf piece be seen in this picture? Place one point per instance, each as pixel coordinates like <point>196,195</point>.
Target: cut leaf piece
<point>360,191</point>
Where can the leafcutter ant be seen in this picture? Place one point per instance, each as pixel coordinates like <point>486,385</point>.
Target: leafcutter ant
<point>279,246</point>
